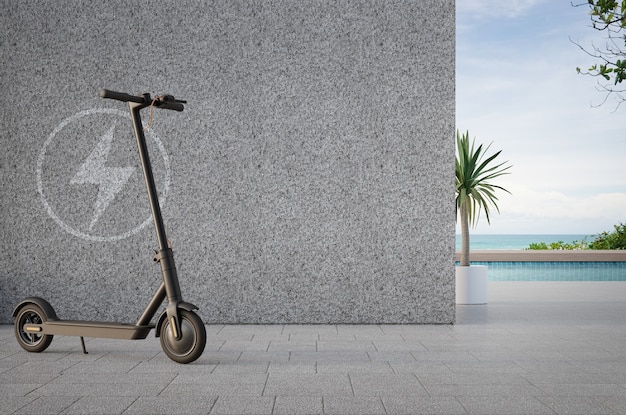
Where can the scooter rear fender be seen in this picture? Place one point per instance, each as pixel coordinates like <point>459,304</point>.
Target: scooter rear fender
<point>46,308</point>
<point>184,305</point>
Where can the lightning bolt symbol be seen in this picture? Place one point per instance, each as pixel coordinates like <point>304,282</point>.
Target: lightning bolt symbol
<point>110,180</point>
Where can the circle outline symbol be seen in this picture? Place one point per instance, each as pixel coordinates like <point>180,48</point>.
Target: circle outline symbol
<point>50,210</point>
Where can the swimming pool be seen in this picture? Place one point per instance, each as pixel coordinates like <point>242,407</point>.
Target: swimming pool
<point>554,271</point>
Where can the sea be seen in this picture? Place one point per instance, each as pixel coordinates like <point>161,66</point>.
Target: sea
<point>513,242</point>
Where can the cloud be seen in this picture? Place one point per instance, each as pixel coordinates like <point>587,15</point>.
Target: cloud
<point>554,204</point>
<point>484,9</point>
<point>544,212</point>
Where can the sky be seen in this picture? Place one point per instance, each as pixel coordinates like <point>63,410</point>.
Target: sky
<point>517,88</point>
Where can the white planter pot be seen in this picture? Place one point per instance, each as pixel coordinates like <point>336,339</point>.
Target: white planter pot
<point>471,284</point>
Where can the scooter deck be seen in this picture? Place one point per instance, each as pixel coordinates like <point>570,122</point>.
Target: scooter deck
<point>99,329</point>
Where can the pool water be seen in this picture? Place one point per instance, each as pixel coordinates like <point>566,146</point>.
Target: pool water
<point>555,271</point>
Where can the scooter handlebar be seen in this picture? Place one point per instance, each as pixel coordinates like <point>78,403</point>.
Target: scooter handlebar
<point>167,102</point>
<point>120,96</point>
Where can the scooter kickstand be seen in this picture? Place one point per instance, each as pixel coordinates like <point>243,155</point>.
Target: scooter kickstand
<point>82,343</point>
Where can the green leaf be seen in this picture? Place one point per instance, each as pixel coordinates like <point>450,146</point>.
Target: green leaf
<point>474,172</point>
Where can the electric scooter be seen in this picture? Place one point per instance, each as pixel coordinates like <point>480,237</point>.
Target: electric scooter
<point>181,331</point>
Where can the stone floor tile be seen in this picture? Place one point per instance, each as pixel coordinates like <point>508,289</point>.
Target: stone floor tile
<point>345,356</point>
<point>239,405</point>
<point>311,385</point>
<point>485,367</point>
<point>420,367</point>
<point>484,390</point>
<point>98,389</point>
<point>293,345</point>
<point>360,367</point>
<point>339,346</point>
<point>260,356</point>
<point>392,357</point>
<point>368,384</point>
<point>100,405</point>
<point>565,378</point>
<point>353,406</point>
<point>46,405</point>
<point>413,405</point>
<point>582,389</point>
<point>172,405</point>
<point>576,405</point>
<point>304,405</point>
<point>504,405</point>
<point>471,379</point>
<point>292,367</point>
<point>11,403</point>
<point>615,403</point>
<point>218,384</point>
<point>242,367</point>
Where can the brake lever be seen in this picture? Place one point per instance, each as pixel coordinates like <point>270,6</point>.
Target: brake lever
<point>170,98</point>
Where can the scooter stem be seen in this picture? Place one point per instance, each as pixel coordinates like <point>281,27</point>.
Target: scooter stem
<point>165,255</point>
<point>148,175</point>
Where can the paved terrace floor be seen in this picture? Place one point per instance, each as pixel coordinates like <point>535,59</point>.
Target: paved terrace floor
<point>537,348</point>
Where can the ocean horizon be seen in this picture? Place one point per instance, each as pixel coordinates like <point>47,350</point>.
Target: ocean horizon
<point>517,241</point>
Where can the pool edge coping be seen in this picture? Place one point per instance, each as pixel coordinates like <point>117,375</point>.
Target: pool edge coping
<point>545,256</point>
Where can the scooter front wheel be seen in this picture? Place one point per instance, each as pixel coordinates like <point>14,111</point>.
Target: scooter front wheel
<point>31,341</point>
<point>192,340</point>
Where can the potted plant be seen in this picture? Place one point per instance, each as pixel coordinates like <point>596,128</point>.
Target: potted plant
<point>474,192</point>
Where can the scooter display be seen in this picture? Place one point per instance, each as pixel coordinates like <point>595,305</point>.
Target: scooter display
<point>181,331</point>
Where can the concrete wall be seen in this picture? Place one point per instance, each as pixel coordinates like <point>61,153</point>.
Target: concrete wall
<point>309,179</point>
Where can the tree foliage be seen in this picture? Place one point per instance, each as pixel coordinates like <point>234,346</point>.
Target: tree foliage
<point>609,17</point>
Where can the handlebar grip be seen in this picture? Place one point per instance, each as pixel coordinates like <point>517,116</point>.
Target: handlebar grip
<point>172,105</point>
<point>120,96</point>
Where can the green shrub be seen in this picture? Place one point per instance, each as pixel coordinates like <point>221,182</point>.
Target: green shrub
<point>605,240</point>
<point>558,246</point>
<point>611,240</point>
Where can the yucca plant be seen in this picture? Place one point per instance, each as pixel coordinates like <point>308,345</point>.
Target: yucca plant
<point>474,190</point>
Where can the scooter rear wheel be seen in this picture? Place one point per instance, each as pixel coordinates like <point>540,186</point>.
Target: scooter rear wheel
<point>192,341</point>
<point>30,341</point>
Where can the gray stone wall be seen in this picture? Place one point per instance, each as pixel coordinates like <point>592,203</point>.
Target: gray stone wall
<point>309,179</point>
